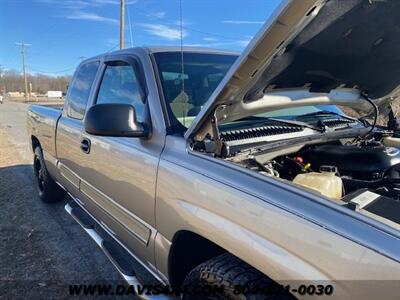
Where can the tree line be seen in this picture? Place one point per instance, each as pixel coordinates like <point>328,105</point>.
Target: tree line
<point>13,81</point>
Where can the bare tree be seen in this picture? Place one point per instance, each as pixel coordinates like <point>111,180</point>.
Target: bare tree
<point>13,81</point>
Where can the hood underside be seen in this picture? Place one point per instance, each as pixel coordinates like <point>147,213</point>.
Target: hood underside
<point>318,47</point>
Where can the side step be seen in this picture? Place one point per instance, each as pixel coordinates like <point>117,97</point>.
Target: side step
<point>130,269</point>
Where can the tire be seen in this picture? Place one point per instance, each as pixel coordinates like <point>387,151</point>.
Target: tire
<point>238,280</point>
<point>49,191</point>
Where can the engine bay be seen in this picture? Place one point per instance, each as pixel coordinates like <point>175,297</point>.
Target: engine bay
<point>361,172</point>
<point>370,165</point>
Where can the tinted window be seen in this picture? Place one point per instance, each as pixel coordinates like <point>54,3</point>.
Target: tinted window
<point>120,85</point>
<point>202,74</point>
<point>79,91</point>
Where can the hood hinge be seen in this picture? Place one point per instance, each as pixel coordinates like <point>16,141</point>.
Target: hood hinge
<point>216,136</point>
<point>218,144</point>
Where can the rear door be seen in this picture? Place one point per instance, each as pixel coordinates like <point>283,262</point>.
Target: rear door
<point>70,126</point>
<point>119,173</point>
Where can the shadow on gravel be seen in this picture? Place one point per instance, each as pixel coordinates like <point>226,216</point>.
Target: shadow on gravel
<point>42,250</point>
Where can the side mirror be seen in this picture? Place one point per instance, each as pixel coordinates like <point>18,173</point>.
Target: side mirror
<point>111,119</point>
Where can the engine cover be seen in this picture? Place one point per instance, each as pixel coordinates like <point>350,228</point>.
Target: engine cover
<point>360,162</point>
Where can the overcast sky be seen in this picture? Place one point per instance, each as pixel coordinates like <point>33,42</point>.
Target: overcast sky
<point>62,31</point>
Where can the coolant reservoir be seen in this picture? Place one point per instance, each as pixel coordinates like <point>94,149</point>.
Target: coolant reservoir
<point>326,182</point>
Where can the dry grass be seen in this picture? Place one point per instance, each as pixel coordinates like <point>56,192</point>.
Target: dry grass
<point>38,100</point>
<point>9,157</point>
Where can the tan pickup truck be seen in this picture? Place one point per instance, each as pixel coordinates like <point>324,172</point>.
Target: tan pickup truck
<point>240,171</point>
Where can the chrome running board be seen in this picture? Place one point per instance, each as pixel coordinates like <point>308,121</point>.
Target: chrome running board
<point>122,260</point>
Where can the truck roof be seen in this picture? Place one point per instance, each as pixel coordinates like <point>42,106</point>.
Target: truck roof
<point>156,49</point>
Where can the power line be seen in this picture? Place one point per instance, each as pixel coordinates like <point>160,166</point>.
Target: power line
<point>49,30</point>
<point>5,68</point>
<point>111,49</point>
<point>52,72</point>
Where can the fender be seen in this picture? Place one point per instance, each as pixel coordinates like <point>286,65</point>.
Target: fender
<point>282,245</point>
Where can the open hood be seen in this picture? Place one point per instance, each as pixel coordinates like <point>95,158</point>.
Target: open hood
<point>311,52</point>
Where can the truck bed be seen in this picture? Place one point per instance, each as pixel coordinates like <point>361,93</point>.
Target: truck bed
<point>42,123</point>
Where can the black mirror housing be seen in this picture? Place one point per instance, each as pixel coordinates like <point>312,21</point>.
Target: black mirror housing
<point>114,119</point>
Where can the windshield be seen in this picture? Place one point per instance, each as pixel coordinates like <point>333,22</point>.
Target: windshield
<point>202,72</point>
<point>298,112</point>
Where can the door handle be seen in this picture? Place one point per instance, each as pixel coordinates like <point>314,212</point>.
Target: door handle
<point>85,145</point>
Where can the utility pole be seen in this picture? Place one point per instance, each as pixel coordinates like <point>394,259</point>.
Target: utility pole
<point>122,26</point>
<point>23,50</point>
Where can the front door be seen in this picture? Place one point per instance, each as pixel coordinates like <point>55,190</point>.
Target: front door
<point>119,173</point>
<point>70,126</point>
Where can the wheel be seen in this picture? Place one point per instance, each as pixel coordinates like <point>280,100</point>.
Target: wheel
<point>226,277</point>
<point>48,189</point>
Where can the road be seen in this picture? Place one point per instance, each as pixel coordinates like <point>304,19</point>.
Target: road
<point>42,250</point>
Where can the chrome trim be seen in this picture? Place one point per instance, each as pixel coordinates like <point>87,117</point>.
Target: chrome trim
<point>68,174</point>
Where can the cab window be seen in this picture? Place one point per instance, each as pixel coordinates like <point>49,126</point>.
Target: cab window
<point>79,91</point>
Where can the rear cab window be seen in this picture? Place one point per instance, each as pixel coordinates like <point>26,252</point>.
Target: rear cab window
<point>79,90</point>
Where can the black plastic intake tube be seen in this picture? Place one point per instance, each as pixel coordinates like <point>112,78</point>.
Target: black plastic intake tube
<point>351,184</point>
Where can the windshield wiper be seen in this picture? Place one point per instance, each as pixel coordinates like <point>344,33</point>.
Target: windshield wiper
<point>299,123</point>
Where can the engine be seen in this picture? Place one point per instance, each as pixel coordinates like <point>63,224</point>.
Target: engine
<point>372,166</point>
<point>345,171</point>
<point>368,162</point>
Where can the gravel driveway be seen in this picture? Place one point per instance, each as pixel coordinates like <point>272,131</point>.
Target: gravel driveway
<point>42,250</point>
